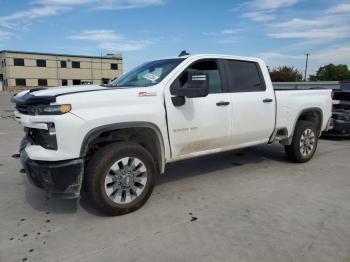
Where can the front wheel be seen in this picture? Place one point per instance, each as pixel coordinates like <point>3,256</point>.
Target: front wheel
<point>120,178</point>
<point>304,143</point>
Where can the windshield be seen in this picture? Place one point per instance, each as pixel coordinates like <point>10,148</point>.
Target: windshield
<point>148,74</point>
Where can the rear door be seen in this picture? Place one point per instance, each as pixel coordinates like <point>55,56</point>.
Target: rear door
<point>202,123</point>
<point>253,105</point>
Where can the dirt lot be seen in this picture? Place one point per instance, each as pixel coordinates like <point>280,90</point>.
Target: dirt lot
<point>251,205</point>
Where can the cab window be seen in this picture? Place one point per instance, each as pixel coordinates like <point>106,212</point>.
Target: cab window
<point>209,66</point>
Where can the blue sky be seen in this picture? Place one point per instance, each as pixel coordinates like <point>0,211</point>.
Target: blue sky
<point>280,32</point>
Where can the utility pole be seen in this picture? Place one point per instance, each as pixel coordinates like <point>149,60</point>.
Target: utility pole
<point>307,61</point>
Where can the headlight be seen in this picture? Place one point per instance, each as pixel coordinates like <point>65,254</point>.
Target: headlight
<point>53,109</point>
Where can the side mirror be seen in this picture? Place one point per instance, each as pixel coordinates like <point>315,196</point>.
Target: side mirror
<point>197,85</point>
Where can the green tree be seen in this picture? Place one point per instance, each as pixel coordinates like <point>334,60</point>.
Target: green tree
<point>331,72</point>
<point>285,74</point>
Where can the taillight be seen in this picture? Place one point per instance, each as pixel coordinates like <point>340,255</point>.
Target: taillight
<point>332,94</point>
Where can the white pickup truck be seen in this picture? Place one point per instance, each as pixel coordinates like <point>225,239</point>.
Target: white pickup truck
<point>114,140</point>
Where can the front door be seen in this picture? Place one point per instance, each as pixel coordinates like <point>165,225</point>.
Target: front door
<point>202,123</point>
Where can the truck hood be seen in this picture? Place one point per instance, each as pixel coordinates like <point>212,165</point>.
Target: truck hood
<point>55,91</point>
<point>48,95</point>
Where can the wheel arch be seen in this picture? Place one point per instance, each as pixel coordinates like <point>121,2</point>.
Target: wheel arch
<point>313,114</point>
<point>128,131</point>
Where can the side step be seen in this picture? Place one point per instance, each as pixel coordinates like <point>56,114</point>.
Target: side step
<point>279,134</point>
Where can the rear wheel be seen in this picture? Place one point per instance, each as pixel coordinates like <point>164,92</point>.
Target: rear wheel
<point>304,143</point>
<point>120,178</point>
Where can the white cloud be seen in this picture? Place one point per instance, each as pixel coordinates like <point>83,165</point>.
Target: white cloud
<point>318,30</point>
<point>104,4</point>
<point>209,33</point>
<point>127,4</point>
<point>5,35</point>
<point>264,10</point>
<point>97,35</point>
<point>271,4</point>
<point>231,31</point>
<point>124,46</point>
<point>273,56</point>
<point>302,23</point>
<point>229,40</point>
<point>110,40</point>
<point>17,19</point>
<point>34,13</point>
<point>332,54</point>
<point>64,2</point>
<point>226,36</point>
<point>342,8</point>
<point>228,31</point>
<point>258,16</point>
<point>319,33</point>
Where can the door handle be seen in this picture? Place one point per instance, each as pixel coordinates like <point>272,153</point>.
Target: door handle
<point>222,103</point>
<point>267,100</point>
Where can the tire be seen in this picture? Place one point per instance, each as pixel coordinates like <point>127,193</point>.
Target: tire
<point>107,172</point>
<point>302,150</point>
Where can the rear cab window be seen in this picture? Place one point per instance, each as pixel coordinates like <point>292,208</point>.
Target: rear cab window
<point>244,76</point>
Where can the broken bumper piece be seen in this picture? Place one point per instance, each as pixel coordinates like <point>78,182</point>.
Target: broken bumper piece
<point>61,179</point>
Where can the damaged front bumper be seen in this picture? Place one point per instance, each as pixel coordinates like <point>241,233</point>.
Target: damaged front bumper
<point>61,179</point>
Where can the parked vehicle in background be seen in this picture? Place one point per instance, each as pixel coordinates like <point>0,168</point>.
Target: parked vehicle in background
<point>341,111</point>
<point>116,139</point>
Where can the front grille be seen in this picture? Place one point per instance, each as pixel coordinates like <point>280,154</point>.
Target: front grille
<point>25,109</point>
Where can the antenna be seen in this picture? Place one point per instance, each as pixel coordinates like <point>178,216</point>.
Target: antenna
<point>183,53</point>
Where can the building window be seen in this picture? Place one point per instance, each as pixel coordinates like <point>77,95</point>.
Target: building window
<point>75,64</point>
<point>87,82</point>
<point>76,82</point>
<point>64,82</point>
<point>18,61</point>
<point>114,66</point>
<point>63,64</point>
<point>20,82</point>
<point>42,82</point>
<point>41,63</point>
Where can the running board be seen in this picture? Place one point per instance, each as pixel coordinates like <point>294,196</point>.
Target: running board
<point>279,134</point>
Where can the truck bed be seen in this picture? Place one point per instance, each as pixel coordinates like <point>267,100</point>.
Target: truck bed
<point>305,85</point>
<point>290,103</point>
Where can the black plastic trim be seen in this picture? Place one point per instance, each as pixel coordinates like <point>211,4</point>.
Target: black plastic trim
<point>94,133</point>
<point>30,99</point>
<point>311,109</point>
<point>59,178</point>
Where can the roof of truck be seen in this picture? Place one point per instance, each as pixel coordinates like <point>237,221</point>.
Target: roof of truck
<point>245,58</point>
